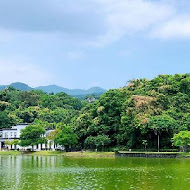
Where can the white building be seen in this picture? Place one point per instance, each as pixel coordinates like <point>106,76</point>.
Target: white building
<point>9,134</point>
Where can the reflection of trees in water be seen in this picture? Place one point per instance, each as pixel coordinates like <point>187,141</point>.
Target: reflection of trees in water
<point>15,168</point>
<point>55,172</point>
<point>10,171</point>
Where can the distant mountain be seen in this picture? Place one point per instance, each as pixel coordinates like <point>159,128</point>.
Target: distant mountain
<point>56,89</point>
<point>2,87</point>
<point>72,92</point>
<point>18,86</point>
<point>51,88</point>
<point>95,90</point>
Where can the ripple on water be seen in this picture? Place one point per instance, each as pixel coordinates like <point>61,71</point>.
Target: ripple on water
<point>57,173</point>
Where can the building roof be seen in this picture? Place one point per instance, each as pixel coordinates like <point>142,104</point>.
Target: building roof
<point>13,127</point>
<point>8,129</point>
<point>22,124</point>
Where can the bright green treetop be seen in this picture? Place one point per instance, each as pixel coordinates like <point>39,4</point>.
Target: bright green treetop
<point>66,136</point>
<point>182,139</point>
<point>32,135</point>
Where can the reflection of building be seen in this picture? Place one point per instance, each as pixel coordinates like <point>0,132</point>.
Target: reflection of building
<point>13,133</point>
<point>19,170</point>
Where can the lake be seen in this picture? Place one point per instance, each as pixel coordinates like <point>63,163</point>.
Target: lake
<point>56,172</point>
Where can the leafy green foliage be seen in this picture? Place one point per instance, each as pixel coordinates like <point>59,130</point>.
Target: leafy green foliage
<point>137,112</point>
<point>182,139</point>
<point>98,142</point>
<point>66,136</point>
<point>143,111</point>
<point>32,135</point>
<point>6,120</point>
<point>37,107</point>
<point>12,142</point>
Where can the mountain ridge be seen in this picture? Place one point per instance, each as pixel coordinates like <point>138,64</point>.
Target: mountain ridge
<point>55,89</point>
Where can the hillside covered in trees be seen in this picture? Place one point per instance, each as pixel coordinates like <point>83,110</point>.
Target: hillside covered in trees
<point>137,115</point>
<point>144,113</point>
<point>37,107</point>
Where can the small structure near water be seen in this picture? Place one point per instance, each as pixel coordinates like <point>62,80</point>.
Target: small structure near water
<point>148,154</point>
<point>13,133</point>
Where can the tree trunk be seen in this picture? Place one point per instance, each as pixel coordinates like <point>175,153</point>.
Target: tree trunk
<point>67,148</point>
<point>50,145</point>
<point>158,142</point>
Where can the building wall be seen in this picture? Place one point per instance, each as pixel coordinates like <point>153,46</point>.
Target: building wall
<point>19,128</point>
<point>9,134</point>
<point>14,133</point>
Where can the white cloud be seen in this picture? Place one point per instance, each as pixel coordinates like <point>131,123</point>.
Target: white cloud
<point>163,19</point>
<point>127,17</point>
<point>178,27</point>
<point>15,70</point>
<point>94,22</point>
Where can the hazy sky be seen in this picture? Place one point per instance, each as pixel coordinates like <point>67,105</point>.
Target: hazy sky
<point>85,43</point>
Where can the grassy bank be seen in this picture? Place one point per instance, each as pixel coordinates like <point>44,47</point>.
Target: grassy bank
<point>75,154</point>
<point>65,154</point>
<point>10,153</point>
<point>87,154</point>
<point>90,154</point>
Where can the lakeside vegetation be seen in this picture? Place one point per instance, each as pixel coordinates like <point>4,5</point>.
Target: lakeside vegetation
<point>89,154</point>
<point>61,153</point>
<point>145,114</point>
<point>143,111</point>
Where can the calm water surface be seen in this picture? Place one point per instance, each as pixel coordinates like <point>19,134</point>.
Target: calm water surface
<point>56,172</point>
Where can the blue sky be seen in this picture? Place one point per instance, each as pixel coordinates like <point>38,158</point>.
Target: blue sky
<point>85,43</point>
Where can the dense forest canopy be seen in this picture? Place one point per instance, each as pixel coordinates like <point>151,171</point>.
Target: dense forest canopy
<point>140,112</point>
<point>36,106</point>
<point>137,115</point>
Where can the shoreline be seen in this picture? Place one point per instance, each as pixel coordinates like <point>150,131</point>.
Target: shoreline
<point>152,154</point>
<point>64,154</point>
<point>101,154</point>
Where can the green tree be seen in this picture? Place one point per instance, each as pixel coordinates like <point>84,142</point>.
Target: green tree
<point>15,142</point>
<point>98,142</point>
<point>66,137</point>
<point>12,142</point>
<point>160,124</point>
<point>5,120</point>
<point>53,135</point>
<point>182,140</point>
<point>32,135</point>
<point>126,115</point>
<point>8,143</point>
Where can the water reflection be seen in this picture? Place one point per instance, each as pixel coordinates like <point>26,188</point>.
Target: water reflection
<point>56,172</point>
